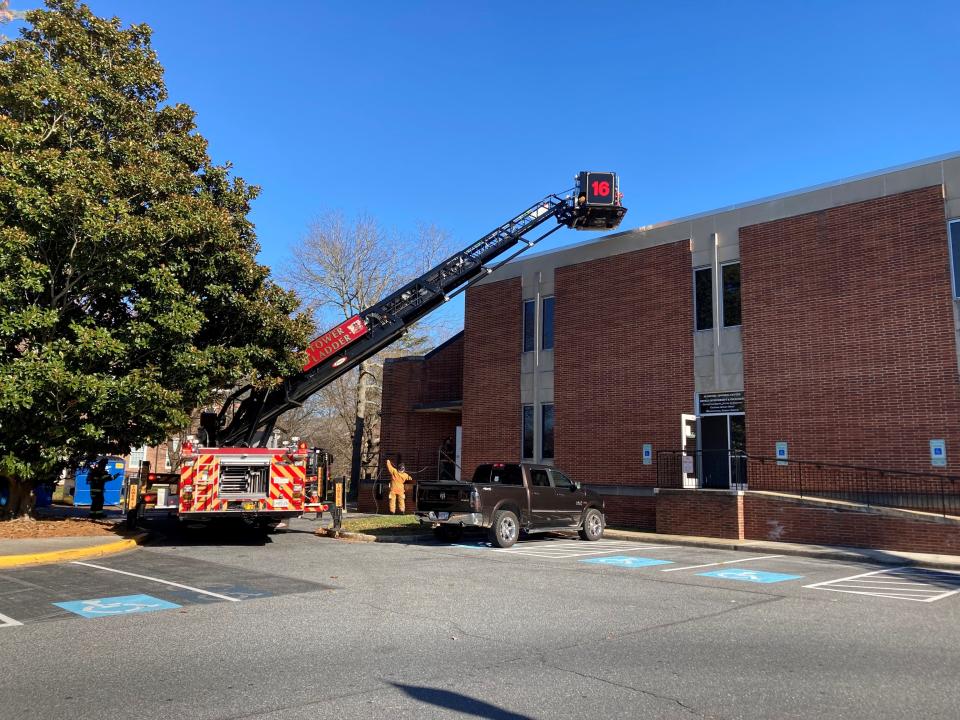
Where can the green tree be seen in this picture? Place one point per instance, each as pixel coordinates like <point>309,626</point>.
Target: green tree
<point>128,279</point>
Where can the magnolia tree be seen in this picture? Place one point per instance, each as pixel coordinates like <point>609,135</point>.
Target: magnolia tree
<point>128,279</point>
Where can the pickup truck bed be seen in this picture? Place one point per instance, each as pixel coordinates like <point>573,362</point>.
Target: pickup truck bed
<point>507,498</point>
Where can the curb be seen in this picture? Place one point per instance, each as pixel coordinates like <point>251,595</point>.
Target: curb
<point>863,555</point>
<point>364,537</point>
<point>85,553</point>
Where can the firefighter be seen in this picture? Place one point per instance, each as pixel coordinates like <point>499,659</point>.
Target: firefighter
<point>97,480</point>
<point>398,476</point>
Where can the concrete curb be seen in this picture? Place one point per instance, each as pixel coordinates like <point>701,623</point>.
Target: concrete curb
<point>85,553</point>
<point>364,537</point>
<point>822,552</point>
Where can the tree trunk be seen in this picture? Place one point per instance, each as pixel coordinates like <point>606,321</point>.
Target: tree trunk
<point>20,502</point>
<point>358,433</point>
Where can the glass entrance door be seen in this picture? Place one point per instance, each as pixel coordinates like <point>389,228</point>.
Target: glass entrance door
<point>714,452</point>
<point>723,441</point>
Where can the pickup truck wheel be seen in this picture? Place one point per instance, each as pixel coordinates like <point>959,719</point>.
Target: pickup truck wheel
<point>505,528</point>
<point>592,525</point>
<point>448,533</point>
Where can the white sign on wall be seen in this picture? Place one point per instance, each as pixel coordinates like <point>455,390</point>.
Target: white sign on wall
<point>938,453</point>
<point>647,454</point>
<point>781,453</point>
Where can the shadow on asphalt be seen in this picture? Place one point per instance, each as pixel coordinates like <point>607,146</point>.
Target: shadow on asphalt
<point>458,702</point>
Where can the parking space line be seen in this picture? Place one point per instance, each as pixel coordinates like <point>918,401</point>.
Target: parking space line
<point>7,621</point>
<point>157,580</point>
<point>728,562</point>
<point>895,583</point>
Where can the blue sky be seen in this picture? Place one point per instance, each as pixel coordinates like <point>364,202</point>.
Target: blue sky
<point>464,113</point>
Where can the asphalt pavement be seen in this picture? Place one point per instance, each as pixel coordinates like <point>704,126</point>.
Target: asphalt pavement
<point>295,626</point>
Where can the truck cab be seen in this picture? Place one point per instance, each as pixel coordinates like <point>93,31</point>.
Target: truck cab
<point>509,498</point>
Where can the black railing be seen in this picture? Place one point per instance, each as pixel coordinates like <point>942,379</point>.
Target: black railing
<point>884,487</point>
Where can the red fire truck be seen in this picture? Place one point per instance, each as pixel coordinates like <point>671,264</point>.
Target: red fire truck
<point>233,472</point>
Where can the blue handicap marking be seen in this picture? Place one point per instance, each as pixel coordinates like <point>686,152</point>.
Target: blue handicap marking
<point>755,576</point>
<point>121,605</point>
<point>626,561</point>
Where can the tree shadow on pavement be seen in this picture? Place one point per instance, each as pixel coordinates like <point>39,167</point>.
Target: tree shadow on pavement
<point>458,702</point>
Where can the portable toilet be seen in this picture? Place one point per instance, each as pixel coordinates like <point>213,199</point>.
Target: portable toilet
<point>111,491</point>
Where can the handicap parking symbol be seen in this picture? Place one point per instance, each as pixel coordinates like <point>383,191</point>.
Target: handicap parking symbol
<point>626,561</point>
<point>120,605</point>
<point>754,576</point>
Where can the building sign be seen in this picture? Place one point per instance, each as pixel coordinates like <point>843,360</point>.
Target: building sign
<point>647,454</point>
<point>721,403</point>
<point>938,453</point>
<point>781,450</point>
<point>337,339</point>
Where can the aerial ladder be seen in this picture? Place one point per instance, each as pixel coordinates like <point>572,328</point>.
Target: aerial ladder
<point>232,468</point>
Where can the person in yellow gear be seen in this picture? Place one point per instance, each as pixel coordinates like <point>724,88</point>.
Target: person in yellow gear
<point>398,477</point>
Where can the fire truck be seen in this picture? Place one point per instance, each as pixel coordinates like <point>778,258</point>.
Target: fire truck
<point>231,471</point>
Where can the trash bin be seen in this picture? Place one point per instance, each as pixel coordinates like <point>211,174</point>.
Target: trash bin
<point>43,495</point>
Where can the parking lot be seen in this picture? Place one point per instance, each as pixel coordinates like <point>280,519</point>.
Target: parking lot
<point>305,627</point>
<point>153,581</point>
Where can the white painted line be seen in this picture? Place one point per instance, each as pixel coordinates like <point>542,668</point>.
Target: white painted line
<point>728,562</point>
<point>158,580</point>
<point>853,577</point>
<point>941,597</point>
<point>7,621</point>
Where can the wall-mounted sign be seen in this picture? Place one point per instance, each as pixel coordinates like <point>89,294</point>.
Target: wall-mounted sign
<point>647,454</point>
<point>938,453</point>
<point>721,403</point>
<point>781,453</point>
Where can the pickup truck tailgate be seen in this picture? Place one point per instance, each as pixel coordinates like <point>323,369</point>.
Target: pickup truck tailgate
<point>444,496</point>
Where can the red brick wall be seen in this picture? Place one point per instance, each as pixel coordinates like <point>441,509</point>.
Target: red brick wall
<point>632,512</point>
<point>704,513</point>
<point>415,437</point>
<point>623,362</point>
<point>786,521</point>
<point>491,374</point>
<point>848,342</point>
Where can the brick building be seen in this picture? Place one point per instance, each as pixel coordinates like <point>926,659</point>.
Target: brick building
<point>822,324</point>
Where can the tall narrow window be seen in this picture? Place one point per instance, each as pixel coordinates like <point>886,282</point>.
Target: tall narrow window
<point>528,432</point>
<point>703,298</point>
<point>546,333</point>
<point>731,294</point>
<point>529,324</point>
<point>954,228</point>
<point>546,432</point>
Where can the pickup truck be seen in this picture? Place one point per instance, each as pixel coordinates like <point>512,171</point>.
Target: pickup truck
<point>507,498</point>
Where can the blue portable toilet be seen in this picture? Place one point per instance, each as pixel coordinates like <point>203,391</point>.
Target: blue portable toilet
<point>111,491</point>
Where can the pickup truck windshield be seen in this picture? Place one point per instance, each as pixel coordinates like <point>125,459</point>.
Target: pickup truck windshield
<point>499,474</point>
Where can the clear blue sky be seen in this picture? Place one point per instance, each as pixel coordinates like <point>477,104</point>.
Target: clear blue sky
<point>463,113</point>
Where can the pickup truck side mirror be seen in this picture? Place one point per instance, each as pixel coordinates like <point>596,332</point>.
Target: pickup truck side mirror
<point>576,486</point>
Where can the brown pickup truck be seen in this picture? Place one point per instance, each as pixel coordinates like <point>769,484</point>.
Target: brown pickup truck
<point>507,498</point>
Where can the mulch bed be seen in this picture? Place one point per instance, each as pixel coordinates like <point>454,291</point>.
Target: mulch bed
<point>31,528</point>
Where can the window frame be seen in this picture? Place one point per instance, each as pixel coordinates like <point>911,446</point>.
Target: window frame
<point>554,474</point>
<point>543,321</point>
<point>953,245</point>
<point>723,294</point>
<point>523,432</point>
<point>543,431</point>
<point>529,328</point>
<point>696,303</point>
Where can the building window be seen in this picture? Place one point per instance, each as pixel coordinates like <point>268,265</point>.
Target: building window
<point>528,432</point>
<point>546,432</point>
<point>546,332</point>
<point>703,298</point>
<point>731,294</point>
<point>529,324</point>
<point>954,230</point>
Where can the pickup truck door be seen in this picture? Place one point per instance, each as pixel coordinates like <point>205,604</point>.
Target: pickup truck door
<point>542,498</point>
<point>568,501</point>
